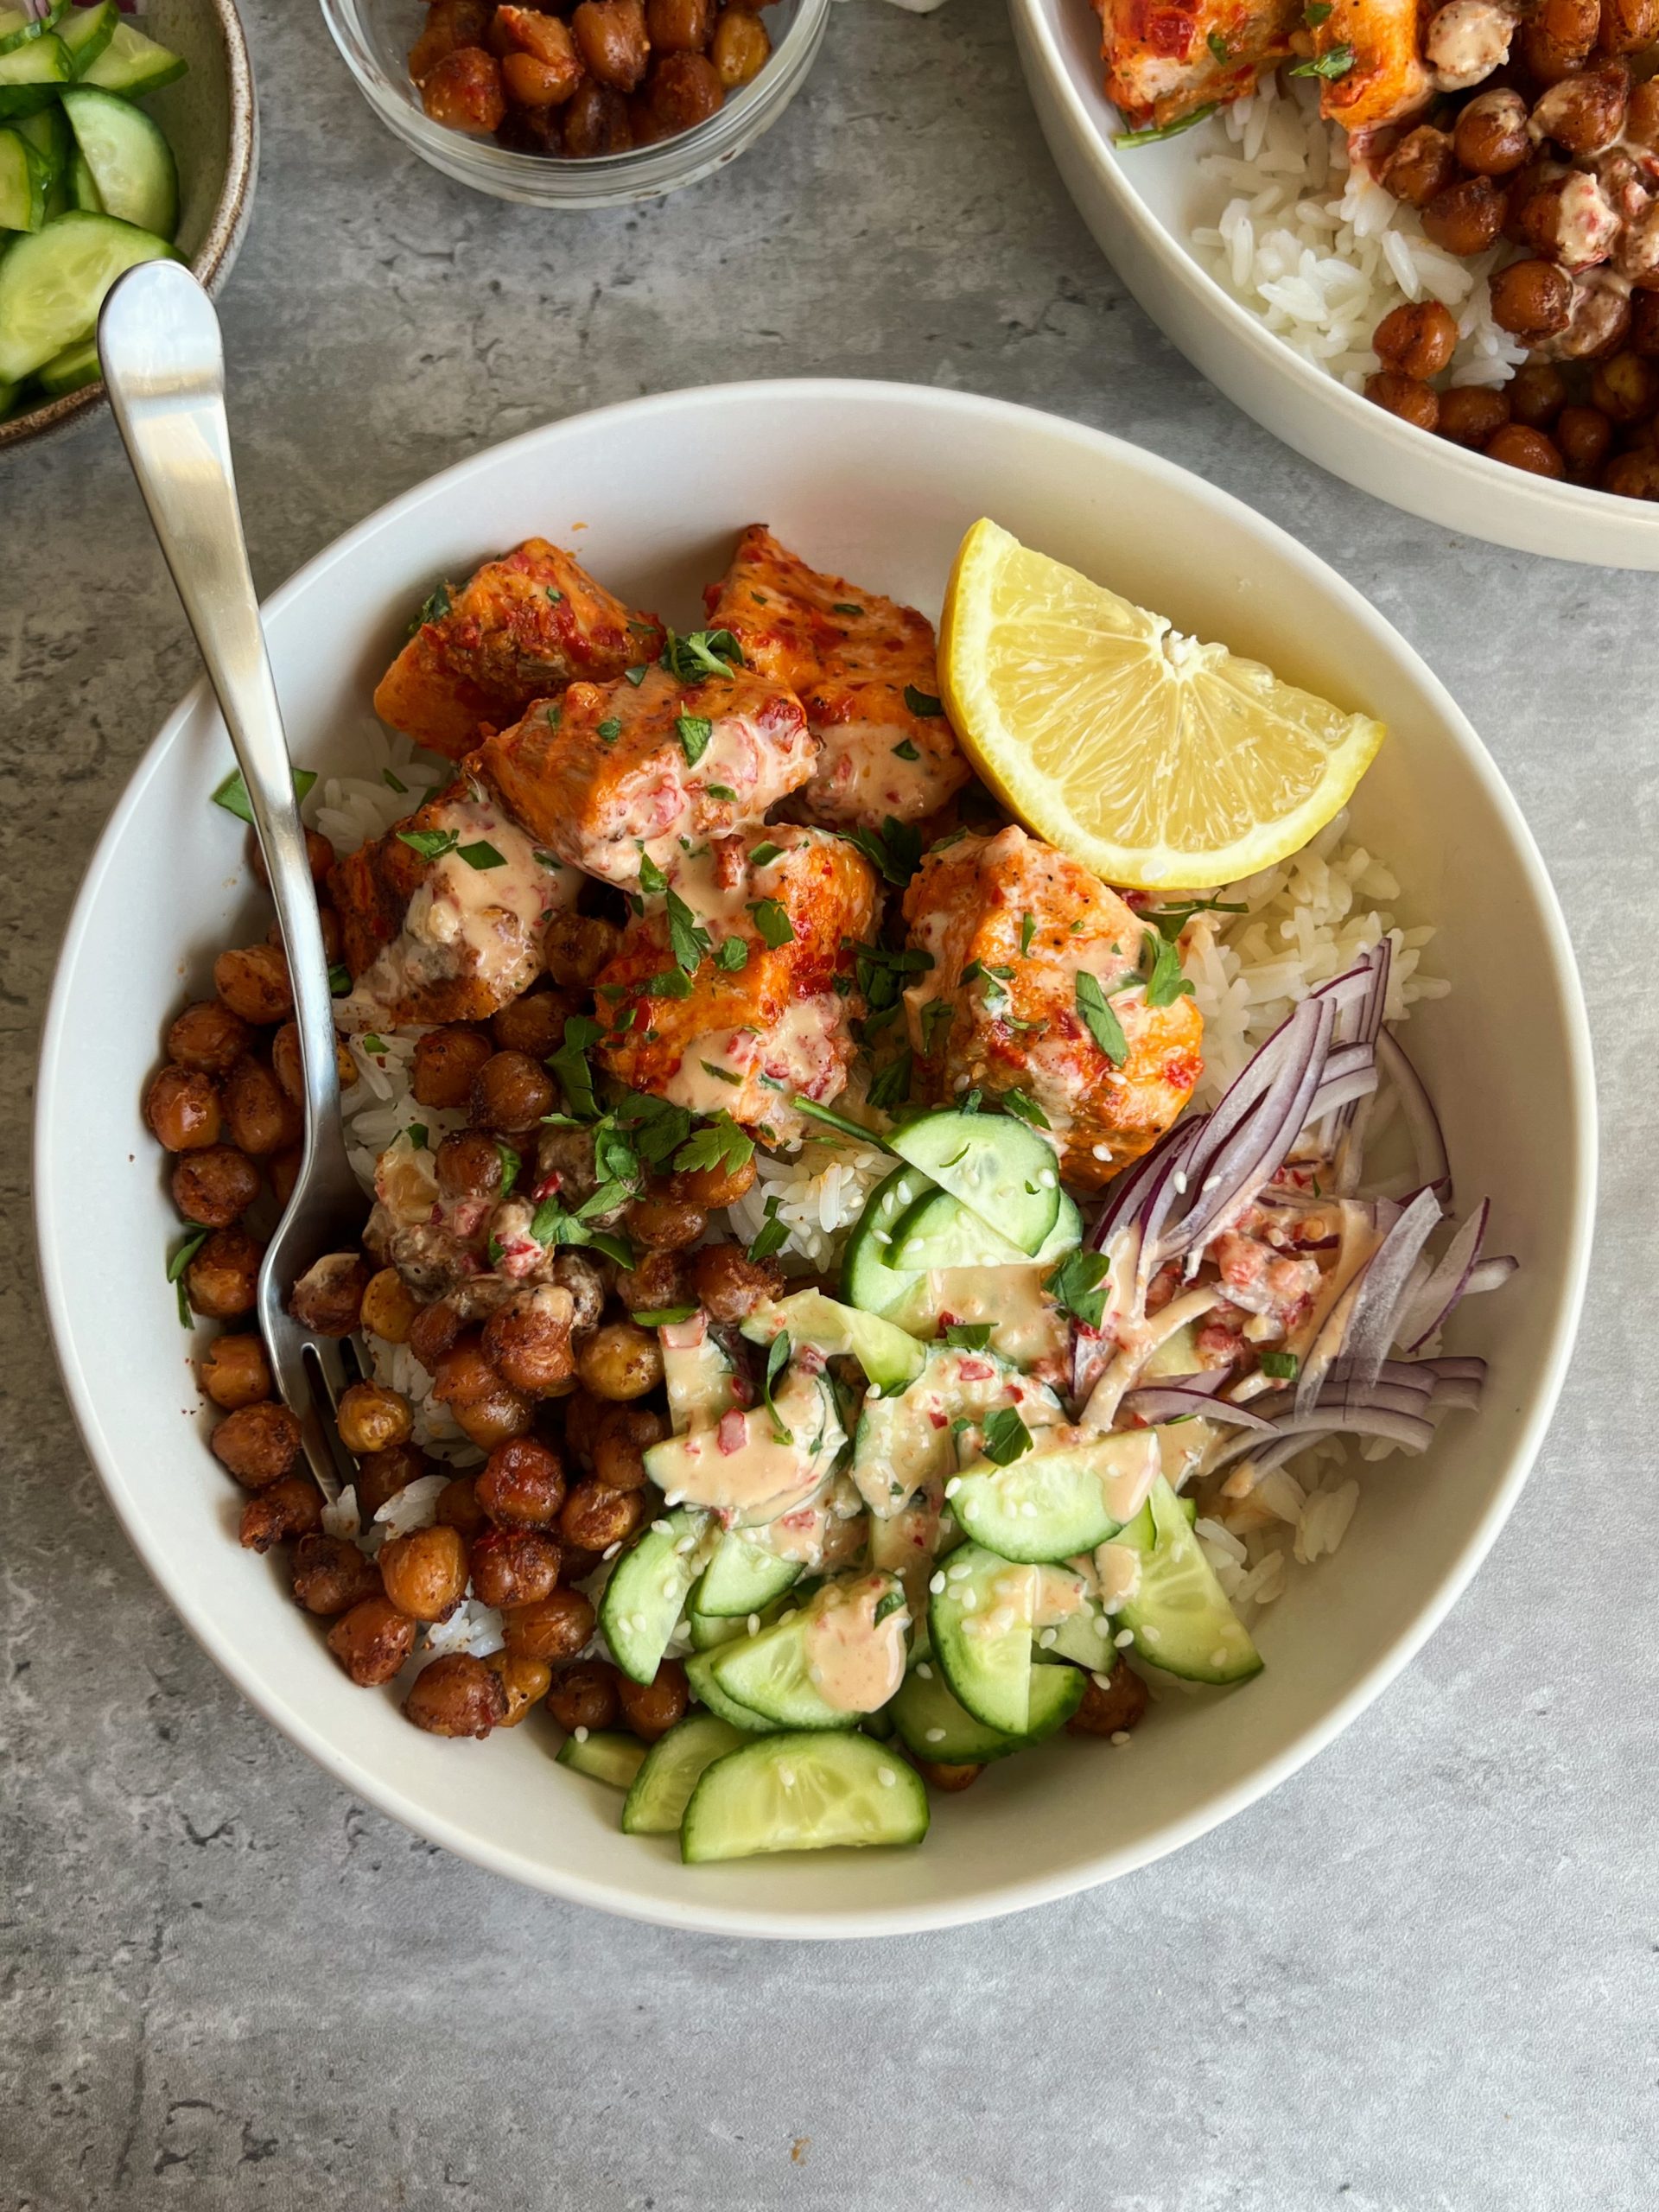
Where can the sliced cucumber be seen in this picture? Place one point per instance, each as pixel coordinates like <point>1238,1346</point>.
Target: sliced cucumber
<point>132,63</point>
<point>699,1674</point>
<point>1000,1170</point>
<point>87,31</point>
<point>646,1594</point>
<point>606,1756</point>
<point>7,400</point>
<point>939,1232</point>
<point>743,1578</point>
<point>24,178</point>
<point>904,1442</point>
<point>30,75</point>
<point>68,371</point>
<point>700,1373</point>
<point>673,1767</point>
<point>982,1624</point>
<point>888,1354</point>
<point>709,1630</point>
<point>866,1279</point>
<point>131,162</point>
<point>19,29</point>
<point>53,282</point>
<point>933,1722</point>
<point>803,1793</point>
<point>1054,1504</point>
<point>83,193</point>
<point>777,1672</point>
<point>1087,1637</point>
<point>749,1467</point>
<point>49,133</point>
<point>1179,1615</point>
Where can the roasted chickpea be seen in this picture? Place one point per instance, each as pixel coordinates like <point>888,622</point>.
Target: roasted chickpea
<point>1516,446</point>
<point>1469,413</point>
<point>1414,339</point>
<point>1567,219</point>
<point>529,31</point>
<point>222,1279</point>
<point>233,1371</point>
<point>450,24</point>
<point>711,1188</point>
<point>1464,219</point>
<point>372,1641</point>
<point>256,1444</point>
<point>215,1185</point>
<point>952,1779</point>
<point>577,946</point>
<point>554,1628</point>
<point>510,1092</point>
<point>533,1025</point>
<point>208,1037</point>
<point>434,1330</point>
<point>283,1172</point>
<point>492,1418</point>
<point>1586,113</point>
<point>513,1566</point>
<point>584,1696</point>
<point>684,90</point>
<point>1537,394</point>
<point>259,1116</point>
<point>620,1360</point>
<point>1644,325</point>
<point>1532,299</point>
<point>289,1068</point>
<point>625,1434</point>
<point>286,1510</point>
<point>470,1165</point>
<point>372,1418</point>
<point>318,858</point>
<point>524,1681</point>
<point>424,1573</point>
<point>457,1507</point>
<point>182,1107</point>
<point>253,983</point>
<point>456,1695</point>
<point>542,69</point>
<point>730,1284</point>
<point>331,1575</point>
<point>522,1485</point>
<point>663,1222</point>
<point>1632,476</point>
<point>1585,438</point>
<point>528,1340</point>
<point>1641,117</point>
<point>740,47</point>
<point>1490,138</point>
<point>445,1063</point>
<point>1558,39</point>
<point>1421,166</point>
<point>462,1372</point>
<point>1623,387</point>
<point>595,1517</point>
<point>1628,26</point>
<point>464,91</point>
<point>610,37</point>
<point>658,1284</point>
<point>1113,1709</point>
<point>327,919</point>
<point>651,1709</point>
<point>328,1296</point>
<point>1412,401</point>
<point>381,1475</point>
<point>389,1307</point>
<point>1601,322</point>
<point>583,1416</point>
<point>679,26</point>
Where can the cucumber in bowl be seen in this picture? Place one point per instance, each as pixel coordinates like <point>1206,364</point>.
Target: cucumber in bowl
<point>53,284</point>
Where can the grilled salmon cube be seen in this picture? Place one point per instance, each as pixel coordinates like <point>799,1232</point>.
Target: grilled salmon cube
<point>1165,60</point>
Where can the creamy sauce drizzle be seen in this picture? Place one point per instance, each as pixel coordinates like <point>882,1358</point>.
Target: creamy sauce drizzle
<point>855,1663</point>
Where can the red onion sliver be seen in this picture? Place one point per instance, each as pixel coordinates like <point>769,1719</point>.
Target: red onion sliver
<point>1426,1309</point>
<point>1432,1165</point>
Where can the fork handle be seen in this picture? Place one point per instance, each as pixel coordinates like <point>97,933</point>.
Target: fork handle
<point>163,361</point>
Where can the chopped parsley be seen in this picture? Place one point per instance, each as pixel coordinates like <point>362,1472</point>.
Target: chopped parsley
<point>773,923</point>
<point>937,1013</point>
<point>845,607</point>
<point>1336,63</point>
<point>702,652</point>
<point>430,844</point>
<point>1007,1437</point>
<point>921,703</point>
<point>1024,1107</point>
<point>895,850</point>
<point>724,1075</point>
<point>178,1261</point>
<point>828,1117</point>
<point>609,730</point>
<point>569,1064</point>
<point>392,783</point>
<point>650,876</point>
<point>763,855</point>
<point>1283,1366</point>
<point>892,1603</point>
<point>686,941</point>
<point>659,1127</point>
<point>556,596</point>
<point>636,674</point>
<point>1131,138</point>
<point>233,794</point>
<point>1218,46</point>
<point>891,1087</point>
<point>495,1251</point>
<point>664,1317</point>
<point>694,732</point>
<point>1100,1020</point>
<point>417,1134</point>
<point>776,1360</point>
<point>511,1163</point>
<point>339,979</point>
<point>1079,1284</point>
<point>483,855</point>
<point>771,1236</point>
<point>968,1336</point>
<point>1165,982</point>
<point>672,983</point>
<point>721,791</point>
<point>732,954</point>
<point>720,1143</point>
<point>1173,919</point>
<point>370,1043</point>
<point>906,751</point>
<point>1027,930</point>
<point>1317,12</point>
<point>433,607</point>
<point>554,715</point>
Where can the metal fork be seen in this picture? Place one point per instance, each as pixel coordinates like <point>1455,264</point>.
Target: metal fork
<point>163,361</point>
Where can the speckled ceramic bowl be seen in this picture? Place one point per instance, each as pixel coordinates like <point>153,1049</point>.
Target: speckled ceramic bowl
<point>212,124</point>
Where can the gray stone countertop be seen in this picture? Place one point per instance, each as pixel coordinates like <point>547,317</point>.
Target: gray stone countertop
<point>1421,1974</point>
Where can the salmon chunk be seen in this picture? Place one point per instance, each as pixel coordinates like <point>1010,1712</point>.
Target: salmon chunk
<point>519,629</point>
<point>1164,59</point>
<point>866,673</point>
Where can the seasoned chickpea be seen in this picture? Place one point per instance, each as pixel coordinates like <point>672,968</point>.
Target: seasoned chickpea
<point>327,919</point>
<point>1464,219</point>
<point>259,1116</point>
<point>434,1330</point>
<point>491,1419</point>
<point>730,1284</point>
<point>621,1360</point>
<point>424,1573</point>
<point>330,1575</point>
<point>381,1475</point>
<point>277,1515</point>
<point>1416,340</point>
<point>1641,117</point>
<point>533,1025</point>
<point>464,91</point>
<point>457,1507</point>
<point>1406,397</point>
<point>1516,446</point>
<point>372,1641</point>
<point>625,1434</point>
<point>651,1709</point>
<point>1113,1710</point>
<point>372,1418</point>
<point>594,1517</point>
<point>683,89</point>
<point>554,1628</point>
<point>256,1444</point>
<point>253,983</point>
<point>446,1061</point>
<point>1601,322</point>
<point>511,1092</point>
<point>1623,387</point>
<point>283,1172</point>
<point>663,1222</point>
<point>1632,475</point>
<point>1469,413</point>
<point>1491,136</point>
<point>1586,113</point>
<point>679,26</point>
<point>1628,26</point>
<point>524,1681</point>
<point>1421,165</point>
<point>222,1279</point>
<point>583,1416</point>
<point>596,122</point>
<point>585,1281</point>
<point>450,24</point>
<point>1567,219</point>
<point>318,858</point>
<point>527,1341</point>
<point>182,1107</point>
<point>656,1286</point>
<point>1558,39</point>
<point>610,37</point>
<point>389,1306</point>
<point>1585,437</point>
<point>470,1165</point>
<point>1537,394</point>
<point>577,946</point>
<point>585,1695</point>
<point>328,1296</point>
<point>462,1372</point>
<point>1644,325</point>
<point>949,1779</point>
<point>233,1371</point>
<point>208,1037</point>
<point>522,1484</point>
<point>456,1695</point>
<point>713,1187</point>
<point>289,1068</point>
<point>740,47</point>
<point>1532,299</point>
<point>513,1566</point>
<point>215,1185</point>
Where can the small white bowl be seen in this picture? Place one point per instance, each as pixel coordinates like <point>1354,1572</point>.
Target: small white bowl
<point>878,481</point>
<point>1143,205</point>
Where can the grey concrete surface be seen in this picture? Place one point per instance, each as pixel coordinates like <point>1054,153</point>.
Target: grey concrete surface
<point>1422,1976</point>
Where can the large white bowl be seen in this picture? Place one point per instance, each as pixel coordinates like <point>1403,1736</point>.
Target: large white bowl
<point>1143,206</point>
<point>878,481</point>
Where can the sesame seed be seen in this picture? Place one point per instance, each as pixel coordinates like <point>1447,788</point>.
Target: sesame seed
<point>686,1544</point>
<point>1210,1183</point>
<point>1101,1682</point>
<point>957,1569</point>
<point>1218,1658</point>
<point>1124,1637</point>
<point>662,1528</point>
<point>887,1777</point>
<point>754,1623</point>
<point>674,1497</point>
<point>925,1671</point>
<point>953,1485</point>
<point>1048,1178</point>
<point>1101,1151</point>
<point>969,1600</point>
<point>874,1390</point>
<point>610,1550</point>
<point>1119,1736</point>
<point>883,1236</point>
<point>580,1735</point>
<point>1028,1510</point>
<point>1153,1634</point>
<point>935,1735</point>
<point>936,1583</point>
<point>1049,1638</point>
<point>1179,1179</point>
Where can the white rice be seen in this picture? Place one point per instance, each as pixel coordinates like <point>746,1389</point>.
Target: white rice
<point>1321,252</point>
<point>820,1190</point>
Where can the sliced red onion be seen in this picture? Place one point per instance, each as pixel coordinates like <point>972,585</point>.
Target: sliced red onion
<point>1491,1274</point>
<point>1432,1165</point>
<point>1411,1430</point>
<point>1158,1401</point>
<point>1129,1189</point>
<point>1227,1168</point>
<point>1376,1292</point>
<point>1426,1308</point>
<point>1451,1370</point>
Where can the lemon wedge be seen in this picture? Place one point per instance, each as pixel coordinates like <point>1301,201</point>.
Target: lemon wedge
<point>1152,759</point>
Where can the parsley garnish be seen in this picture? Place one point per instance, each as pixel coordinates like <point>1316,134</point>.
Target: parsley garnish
<point>1102,1023</point>
<point>1317,12</point>
<point>495,1251</point>
<point>664,1317</point>
<point>554,715</point>
<point>650,876</point>
<point>686,941</point>
<point>483,855</point>
<point>891,1604</point>
<point>776,1360</point>
<point>694,732</point>
<point>921,703</point>
<point>1024,1107</point>
<point>703,653</point>
<point>906,751</point>
<point>556,596</point>
<point>511,1163</point>
<point>1165,129</point>
<point>637,676</point>
<point>1172,920</point>
<point>721,1143</point>
<point>771,1236</point>
<point>430,844</point>
<point>764,854</point>
<point>417,1134</point>
<point>1336,63</point>
<point>732,954</point>
<point>233,794</point>
<point>1283,1366</point>
<point>609,730</point>
<point>935,1015</point>
<point>968,1336</point>
<point>392,783</point>
<point>569,1064</point>
<point>845,607</point>
<point>177,1264</point>
<point>1218,46</point>
<point>433,607</point>
<point>721,790</point>
<point>725,1075</point>
<point>773,923</point>
<point>1027,930</point>
<point>670,984</point>
<point>370,1043</point>
<point>892,1087</point>
<point>1165,982</point>
<point>659,1127</point>
<point>1078,1285</point>
<point>339,979</point>
<point>828,1117</point>
<point>1007,1437</point>
<point>895,850</point>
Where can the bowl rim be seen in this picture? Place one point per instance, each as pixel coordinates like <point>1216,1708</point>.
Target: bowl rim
<point>55,1241</point>
<point>231,212</point>
<point>1543,498</point>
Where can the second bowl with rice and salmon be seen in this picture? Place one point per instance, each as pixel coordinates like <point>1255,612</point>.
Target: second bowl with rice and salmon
<point>895,1209</point>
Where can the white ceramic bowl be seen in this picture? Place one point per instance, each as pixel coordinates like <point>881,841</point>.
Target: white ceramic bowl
<point>878,481</point>
<point>1143,205</point>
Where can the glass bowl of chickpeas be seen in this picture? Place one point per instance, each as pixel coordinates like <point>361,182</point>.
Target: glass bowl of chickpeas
<point>581,103</point>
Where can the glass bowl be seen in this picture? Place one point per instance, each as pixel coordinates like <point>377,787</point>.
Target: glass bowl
<point>375,36</point>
